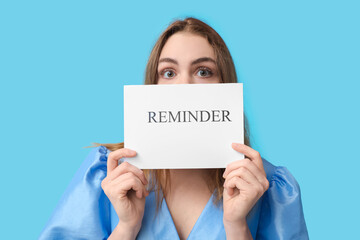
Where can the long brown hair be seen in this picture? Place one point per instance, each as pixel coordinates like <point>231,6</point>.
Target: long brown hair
<point>227,73</point>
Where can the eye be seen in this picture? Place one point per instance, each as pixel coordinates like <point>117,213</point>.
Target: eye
<point>204,72</point>
<point>167,73</point>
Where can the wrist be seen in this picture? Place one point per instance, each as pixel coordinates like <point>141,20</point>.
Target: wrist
<point>237,230</point>
<point>124,232</point>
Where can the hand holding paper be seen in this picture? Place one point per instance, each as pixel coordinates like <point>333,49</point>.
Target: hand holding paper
<point>127,198</point>
<point>245,182</point>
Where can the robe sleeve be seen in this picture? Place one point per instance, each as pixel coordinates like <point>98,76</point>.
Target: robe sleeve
<point>282,215</point>
<point>83,211</point>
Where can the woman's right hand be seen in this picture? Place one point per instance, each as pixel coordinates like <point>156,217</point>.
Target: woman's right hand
<point>124,185</point>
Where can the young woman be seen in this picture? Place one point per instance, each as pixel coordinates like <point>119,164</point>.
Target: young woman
<point>250,199</point>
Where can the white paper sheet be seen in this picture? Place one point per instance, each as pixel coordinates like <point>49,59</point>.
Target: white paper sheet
<point>163,137</point>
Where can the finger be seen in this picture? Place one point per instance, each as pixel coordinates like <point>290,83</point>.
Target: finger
<point>250,165</point>
<point>236,182</point>
<point>244,174</point>
<point>249,152</point>
<point>127,167</point>
<point>124,177</point>
<point>128,181</point>
<point>114,156</point>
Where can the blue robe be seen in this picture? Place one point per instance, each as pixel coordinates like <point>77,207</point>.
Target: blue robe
<point>85,212</point>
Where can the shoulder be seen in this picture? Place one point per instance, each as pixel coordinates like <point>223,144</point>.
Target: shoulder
<point>83,205</point>
<point>96,160</point>
<point>277,173</point>
<point>281,180</point>
<point>99,153</point>
<point>104,152</point>
<point>282,215</point>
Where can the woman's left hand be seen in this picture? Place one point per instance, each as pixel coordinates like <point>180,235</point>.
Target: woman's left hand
<point>245,183</point>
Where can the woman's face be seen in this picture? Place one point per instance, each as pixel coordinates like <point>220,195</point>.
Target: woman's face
<point>187,58</point>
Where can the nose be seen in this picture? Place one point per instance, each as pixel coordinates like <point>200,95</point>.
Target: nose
<point>186,79</point>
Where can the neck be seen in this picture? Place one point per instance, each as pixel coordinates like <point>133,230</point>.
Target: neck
<point>185,181</point>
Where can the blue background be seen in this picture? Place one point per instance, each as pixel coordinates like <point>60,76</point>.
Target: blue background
<point>63,65</point>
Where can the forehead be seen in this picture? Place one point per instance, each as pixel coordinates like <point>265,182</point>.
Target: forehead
<point>187,46</point>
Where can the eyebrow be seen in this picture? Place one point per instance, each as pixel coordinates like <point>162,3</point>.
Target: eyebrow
<point>199,60</point>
